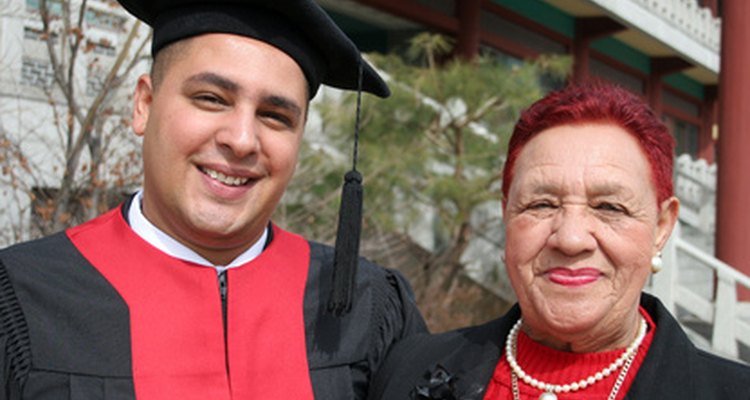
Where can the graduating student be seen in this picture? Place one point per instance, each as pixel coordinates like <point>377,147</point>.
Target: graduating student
<point>188,290</point>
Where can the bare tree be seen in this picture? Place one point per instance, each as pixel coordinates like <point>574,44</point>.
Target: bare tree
<point>66,152</point>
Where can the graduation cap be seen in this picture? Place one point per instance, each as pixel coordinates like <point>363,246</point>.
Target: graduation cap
<point>299,28</point>
<point>305,32</point>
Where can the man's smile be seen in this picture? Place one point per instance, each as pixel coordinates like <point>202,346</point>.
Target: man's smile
<point>225,179</point>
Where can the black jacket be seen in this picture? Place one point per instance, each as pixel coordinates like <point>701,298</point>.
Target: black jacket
<point>673,368</point>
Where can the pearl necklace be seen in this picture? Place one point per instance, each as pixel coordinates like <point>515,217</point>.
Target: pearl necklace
<point>550,390</point>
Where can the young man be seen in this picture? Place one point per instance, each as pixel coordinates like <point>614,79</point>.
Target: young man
<point>187,291</point>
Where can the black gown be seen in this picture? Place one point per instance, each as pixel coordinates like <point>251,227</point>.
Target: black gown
<point>97,313</point>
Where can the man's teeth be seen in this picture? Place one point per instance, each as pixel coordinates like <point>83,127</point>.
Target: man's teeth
<point>227,180</point>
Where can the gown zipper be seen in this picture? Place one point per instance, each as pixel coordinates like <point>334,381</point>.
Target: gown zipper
<point>223,292</point>
<point>223,289</point>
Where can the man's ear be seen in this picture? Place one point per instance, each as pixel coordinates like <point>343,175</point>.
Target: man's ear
<point>144,95</point>
<point>668,213</point>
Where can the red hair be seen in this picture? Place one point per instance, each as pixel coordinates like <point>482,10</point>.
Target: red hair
<point>597,103</point>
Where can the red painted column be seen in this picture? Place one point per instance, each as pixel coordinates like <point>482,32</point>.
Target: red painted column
<point>586,30</point>
<point>661,66</point>
<point>468,13</point>
<point>654,90</point>
<point>733,193</point>
<point>709,111</point>
<point>581,56</point>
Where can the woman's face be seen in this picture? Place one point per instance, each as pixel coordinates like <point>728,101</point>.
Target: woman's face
<point>582,225</point>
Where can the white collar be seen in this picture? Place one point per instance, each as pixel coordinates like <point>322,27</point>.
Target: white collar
<point>165,243</point>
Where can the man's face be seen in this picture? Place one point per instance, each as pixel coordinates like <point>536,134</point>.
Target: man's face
<point>221,134</point>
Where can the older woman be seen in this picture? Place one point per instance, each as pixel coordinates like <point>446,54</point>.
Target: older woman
<point>588,205</point>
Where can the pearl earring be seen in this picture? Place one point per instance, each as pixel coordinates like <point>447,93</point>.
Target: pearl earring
<point>656,263</point>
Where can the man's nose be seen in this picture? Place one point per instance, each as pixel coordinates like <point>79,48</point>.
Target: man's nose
<point>240,135</point>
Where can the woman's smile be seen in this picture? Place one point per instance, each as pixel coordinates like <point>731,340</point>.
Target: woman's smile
<point>573,277</point>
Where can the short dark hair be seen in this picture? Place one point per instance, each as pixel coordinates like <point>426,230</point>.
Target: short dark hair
<point>163,59</point>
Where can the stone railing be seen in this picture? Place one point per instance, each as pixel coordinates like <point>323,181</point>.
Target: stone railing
<point>697,287</point>
<point>695,186</point>
<point>688,16</point>
<point>702,291</point>
<point>680,25</point>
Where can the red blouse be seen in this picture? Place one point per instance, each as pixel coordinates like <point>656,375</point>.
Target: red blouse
<point>560,367</point>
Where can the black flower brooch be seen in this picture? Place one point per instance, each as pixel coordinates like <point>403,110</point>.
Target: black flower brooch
<point>440,386</point>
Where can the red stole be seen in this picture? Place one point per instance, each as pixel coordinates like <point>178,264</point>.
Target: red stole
<point>177,335</point>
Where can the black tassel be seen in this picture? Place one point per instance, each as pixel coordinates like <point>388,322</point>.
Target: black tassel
<point>346,254</point>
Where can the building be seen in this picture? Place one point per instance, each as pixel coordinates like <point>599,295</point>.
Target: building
<point>44,135</point>
<point>668,51</point>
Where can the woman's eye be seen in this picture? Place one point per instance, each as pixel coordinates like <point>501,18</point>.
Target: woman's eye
<point>540,205</point>
<point>609,207</point>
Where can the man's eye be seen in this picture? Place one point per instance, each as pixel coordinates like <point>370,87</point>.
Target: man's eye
<point>278,118</point>
<point>209,99</point>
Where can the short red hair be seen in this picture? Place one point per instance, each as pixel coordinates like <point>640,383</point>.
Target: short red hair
<point>598,103</point>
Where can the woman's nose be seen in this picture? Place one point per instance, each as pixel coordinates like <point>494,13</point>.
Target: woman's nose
<point>572,231</point>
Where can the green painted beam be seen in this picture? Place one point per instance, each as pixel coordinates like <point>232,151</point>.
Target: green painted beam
<point>685,84</point>
<point>542,13</point>
<point>372,38</point>
<point>623,53</point>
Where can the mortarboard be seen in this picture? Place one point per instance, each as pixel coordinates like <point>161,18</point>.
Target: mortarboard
<point>302,30</point>
<point>299,28</point>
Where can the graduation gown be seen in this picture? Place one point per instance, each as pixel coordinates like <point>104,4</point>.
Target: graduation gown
<point>97,313</point>
<point>674,369</point>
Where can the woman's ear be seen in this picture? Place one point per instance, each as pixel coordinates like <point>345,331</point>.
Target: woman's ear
<point>668,212</point>
<point>142,100</point>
